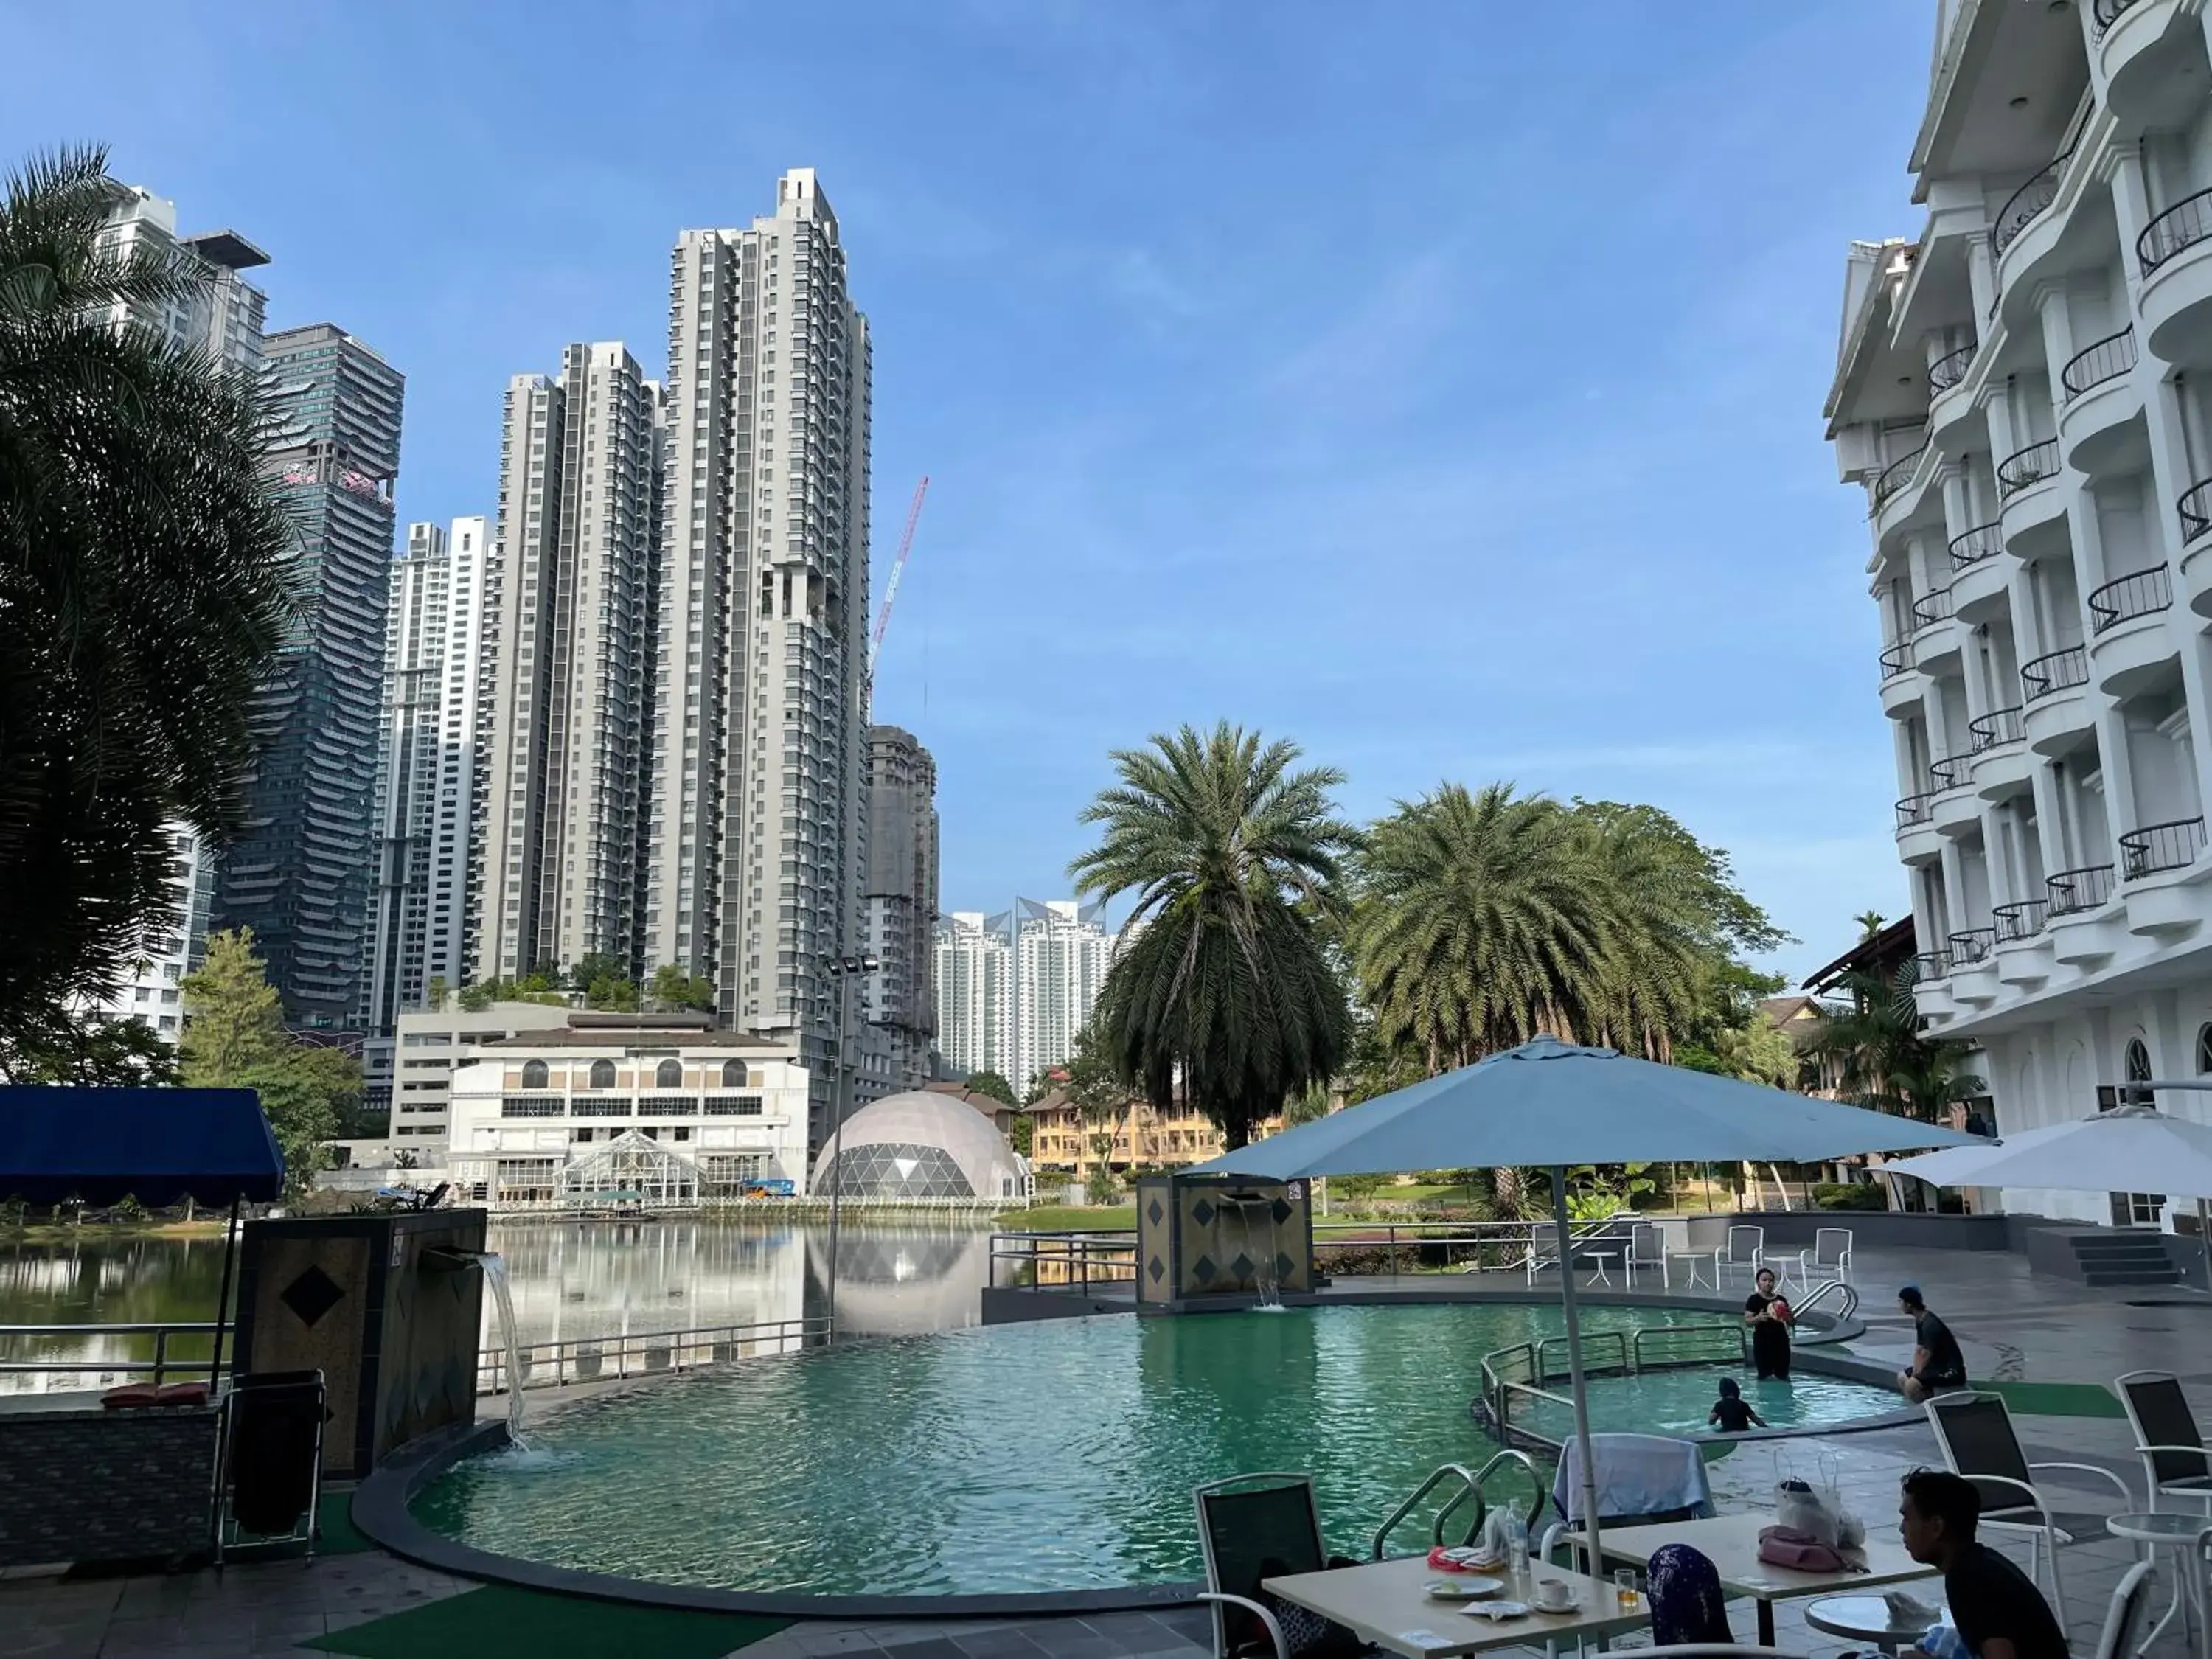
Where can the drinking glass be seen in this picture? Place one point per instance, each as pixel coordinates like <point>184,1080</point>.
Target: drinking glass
<point>1623,1587</point>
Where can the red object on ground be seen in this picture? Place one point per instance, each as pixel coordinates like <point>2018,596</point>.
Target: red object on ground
<point>130,1395</point>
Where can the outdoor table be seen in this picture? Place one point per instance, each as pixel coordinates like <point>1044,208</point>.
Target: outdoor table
<point>1731,1542</point>
<point>1695,1258</point>
<point>1384,1602</point>
<point>1601,1257</point>
<point>2178,1533</point>
<point>1868,1619</point>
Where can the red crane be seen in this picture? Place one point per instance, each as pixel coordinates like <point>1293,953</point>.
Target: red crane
<point>898,569</point>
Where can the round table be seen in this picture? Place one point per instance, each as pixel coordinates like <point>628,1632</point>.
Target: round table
<point>2168,1530</point>
<point>1868,1619</point>
<point>1600,1277</point>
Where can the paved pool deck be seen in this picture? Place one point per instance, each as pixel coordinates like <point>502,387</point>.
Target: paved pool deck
<point>2014,1326</point>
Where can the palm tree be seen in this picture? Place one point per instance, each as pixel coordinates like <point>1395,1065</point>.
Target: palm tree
<point>144,586</point>
<point>1872,1040</point>
<point>1870,923</point>
<point>1223,984</point>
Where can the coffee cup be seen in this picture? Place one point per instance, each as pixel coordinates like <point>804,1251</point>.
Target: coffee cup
<point>1551,1593</point>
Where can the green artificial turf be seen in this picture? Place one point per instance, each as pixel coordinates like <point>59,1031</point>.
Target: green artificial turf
<point>497,1622</point>
<point>2056,1399</point>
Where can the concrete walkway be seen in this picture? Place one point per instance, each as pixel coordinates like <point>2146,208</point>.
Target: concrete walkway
<point>2014,1326</point>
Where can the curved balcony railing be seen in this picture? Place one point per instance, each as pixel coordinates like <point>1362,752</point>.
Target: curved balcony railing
<point>2059,671</point>
<point>1932,608</point>
<point>1931,964</point>
<point>2074,891</point>
<point>1892,479</point>
<point>1972,945</point>
<point>2138,593</point>
<point>2157,846</point>
<point>1948,774</point>
<point>1972,546</point>
<point>2107,13</point>
<point>2015,922</point>
<point>2025,204</point>
<point>2000,726</point>
<point>1913,809</point>
<point>2105,360</point>
<point>2196,510</point>
<point>2031,466</point>
<point>1950,369</point>
<point>2184,224</point>
<point>1895,660</point>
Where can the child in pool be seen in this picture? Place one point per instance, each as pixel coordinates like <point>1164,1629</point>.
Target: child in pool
<point>1731,1412</point>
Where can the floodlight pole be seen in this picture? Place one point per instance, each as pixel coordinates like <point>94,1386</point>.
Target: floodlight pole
<point>844,971</point>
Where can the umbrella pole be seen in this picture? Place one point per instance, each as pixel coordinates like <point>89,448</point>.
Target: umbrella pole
<point>223,1297</point>
<point>1576,1382</point>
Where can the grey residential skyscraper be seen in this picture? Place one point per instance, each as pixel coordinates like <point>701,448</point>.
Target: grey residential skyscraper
<point>426,785</point>
<point>300,875</point>
<point>754,865</point>
<point>566,712</point>
<point>899,902</point>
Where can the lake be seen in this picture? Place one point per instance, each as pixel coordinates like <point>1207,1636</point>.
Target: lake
<point>571,1279</point>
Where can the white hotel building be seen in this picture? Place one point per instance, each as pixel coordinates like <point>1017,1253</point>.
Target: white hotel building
<point>2023,391</point>
<point>661,1109</point>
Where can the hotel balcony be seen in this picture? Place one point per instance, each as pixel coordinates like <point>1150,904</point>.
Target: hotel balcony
<point>2162,880</point>
<point>2002,765</point>
<point>2084,931</point>
<point>2055,712</point>
<point>2130,645</point>
<point>1981,582</point>
<point>2174,253</point>
<point>2028,496</point>
<point>2100,424</point>
<point>2023,953</point>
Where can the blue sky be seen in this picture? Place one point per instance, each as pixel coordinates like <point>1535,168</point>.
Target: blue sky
<point>1438,384</point>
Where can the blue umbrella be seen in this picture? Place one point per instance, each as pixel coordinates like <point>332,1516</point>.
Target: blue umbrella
<point>1555,1104</point>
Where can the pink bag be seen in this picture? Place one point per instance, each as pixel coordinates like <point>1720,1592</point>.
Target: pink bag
<point>1785,1546</point>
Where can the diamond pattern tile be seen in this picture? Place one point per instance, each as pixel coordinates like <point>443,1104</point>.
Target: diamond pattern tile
<point>1156,1213</point>
<point>1242,1267</point>
<point>1203,1214</point>
<point>1159,1270</point>
<point>312,1295</point>
<point>1204,1272</point>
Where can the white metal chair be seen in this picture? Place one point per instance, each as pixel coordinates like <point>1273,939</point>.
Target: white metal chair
<point>1831,1255</point>
<point>2175,1461</point>
<point>1979,1442</point>
<point>1647,1247</point>
<point>1746,1248</point>
<point>2125,1617</point>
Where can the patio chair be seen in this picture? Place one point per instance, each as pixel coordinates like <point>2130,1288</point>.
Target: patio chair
<point>1746,1248</point>
<point>1831,1255</point>
<point>2125,1617</point>
<point>1647,1247</point>
<point>2175,1462</point>
<point>1253,1526</point>
<point>271,1459</point>
<point>1543,1235</point>
<point>1978,1441</point>
<point>1641,1479</point>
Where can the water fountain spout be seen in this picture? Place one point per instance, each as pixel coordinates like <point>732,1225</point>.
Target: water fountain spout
<point>493,1265</point>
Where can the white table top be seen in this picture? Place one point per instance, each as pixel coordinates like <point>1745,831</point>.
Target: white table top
<point>1732,1543</point>
<point>1386,1603</point>
<point>1868,1618</point>
<point>2164,1527</point>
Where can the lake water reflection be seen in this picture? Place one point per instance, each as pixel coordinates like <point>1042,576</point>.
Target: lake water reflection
<point>571,1279</point>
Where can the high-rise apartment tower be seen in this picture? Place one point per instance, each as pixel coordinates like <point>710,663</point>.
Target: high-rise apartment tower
<point>899,902</point>
<point>975,993</point>
<point>755,861</point>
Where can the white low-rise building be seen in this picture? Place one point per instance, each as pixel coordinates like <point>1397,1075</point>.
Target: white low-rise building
<point>428,1045</point>
<point>2025,390</point>
<point>660,1111</point>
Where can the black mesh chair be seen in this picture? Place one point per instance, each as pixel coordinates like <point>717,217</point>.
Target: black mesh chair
<point>270,1464</point>
<point>1978,1441</point>
<point>1254,1526</point>
<point>2175,1463</point>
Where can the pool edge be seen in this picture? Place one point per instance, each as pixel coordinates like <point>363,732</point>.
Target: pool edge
<point>382,1511</point>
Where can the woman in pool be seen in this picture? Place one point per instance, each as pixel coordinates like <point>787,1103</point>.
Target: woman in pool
<point>1770,1319</point>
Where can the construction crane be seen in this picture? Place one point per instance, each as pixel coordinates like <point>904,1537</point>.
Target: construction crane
<point>898,569</point>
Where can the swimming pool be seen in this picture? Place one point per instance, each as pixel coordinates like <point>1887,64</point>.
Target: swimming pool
<point>1056,1456</point>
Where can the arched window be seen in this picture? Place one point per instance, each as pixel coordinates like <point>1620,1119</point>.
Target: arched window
<point>2204,1048</point>
<point>534,1074</point>
<point>733,1073</point>
<point>2137,1061</point>
<point>603,1074</point>
<point>668,1075</point>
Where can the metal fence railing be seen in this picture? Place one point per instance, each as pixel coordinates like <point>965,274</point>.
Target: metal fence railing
<point>169,1351</point>
<point>1513,1379</point>
<point>645,1353</point>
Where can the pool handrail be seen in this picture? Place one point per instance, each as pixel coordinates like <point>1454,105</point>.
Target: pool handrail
<point>1470,1486</point>
<point>1847,1299</point>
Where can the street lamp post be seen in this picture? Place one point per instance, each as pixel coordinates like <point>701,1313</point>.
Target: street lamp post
<point>844,971</point>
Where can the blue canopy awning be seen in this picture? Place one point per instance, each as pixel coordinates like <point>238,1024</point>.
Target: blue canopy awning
<point>160,1146</point>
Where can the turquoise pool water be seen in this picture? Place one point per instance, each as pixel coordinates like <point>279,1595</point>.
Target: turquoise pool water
<point>1055,1455</point>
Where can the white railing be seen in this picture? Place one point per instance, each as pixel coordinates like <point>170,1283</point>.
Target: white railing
<point>645,1353</point>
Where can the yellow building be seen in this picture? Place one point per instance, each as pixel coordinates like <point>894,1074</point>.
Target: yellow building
<point>1138,1137</point>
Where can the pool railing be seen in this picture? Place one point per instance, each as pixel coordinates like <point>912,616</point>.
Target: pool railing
<point>645,1353</point>
<point>1518,1373</point>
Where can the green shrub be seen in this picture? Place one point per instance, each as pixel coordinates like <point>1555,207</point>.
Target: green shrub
<point>1850,1195</point>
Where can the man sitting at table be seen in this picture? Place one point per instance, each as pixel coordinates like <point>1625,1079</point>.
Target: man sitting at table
<point>1998,1610</point>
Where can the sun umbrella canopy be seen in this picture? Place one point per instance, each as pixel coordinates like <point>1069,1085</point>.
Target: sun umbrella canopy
<point>1552,1103</point>
<point>160,1146</point>
<point>2134,1149</point>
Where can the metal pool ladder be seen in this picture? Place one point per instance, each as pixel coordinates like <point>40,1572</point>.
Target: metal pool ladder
<point>1846,1298</point>
<point>1470,1486</point>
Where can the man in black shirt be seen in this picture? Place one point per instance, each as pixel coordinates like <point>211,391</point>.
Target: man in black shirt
<point>1936,1362</point>
<point>1998,1610</point>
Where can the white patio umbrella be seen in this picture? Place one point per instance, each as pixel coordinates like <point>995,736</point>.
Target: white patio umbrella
<point>1555,1104</point>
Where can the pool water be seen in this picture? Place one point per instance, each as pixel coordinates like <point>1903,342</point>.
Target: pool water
<point>1053,1456</point>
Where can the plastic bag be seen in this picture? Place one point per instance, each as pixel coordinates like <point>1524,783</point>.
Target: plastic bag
<point>1800,1510</point>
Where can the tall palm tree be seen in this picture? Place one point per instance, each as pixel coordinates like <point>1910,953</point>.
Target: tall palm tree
<point>1224,986</point>
<point>1872,1041</point>
<point>144,584</point>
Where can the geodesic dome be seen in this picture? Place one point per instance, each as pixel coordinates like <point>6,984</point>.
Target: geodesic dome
<point>915,1147</point>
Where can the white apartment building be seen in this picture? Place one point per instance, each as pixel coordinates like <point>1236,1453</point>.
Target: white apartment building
<point>2022,390</point>
<point>975,970</point>
<point>426,781</point>
<point>224,319</point>
<point>1061,955</point>
<point>660,1110</point>
<point>898,999</point>
<point>431,1042</point>
<point>757,845</point>
<point>567,656</point>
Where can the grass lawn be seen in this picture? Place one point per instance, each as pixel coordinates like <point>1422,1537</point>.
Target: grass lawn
<point>1067,1218</point>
